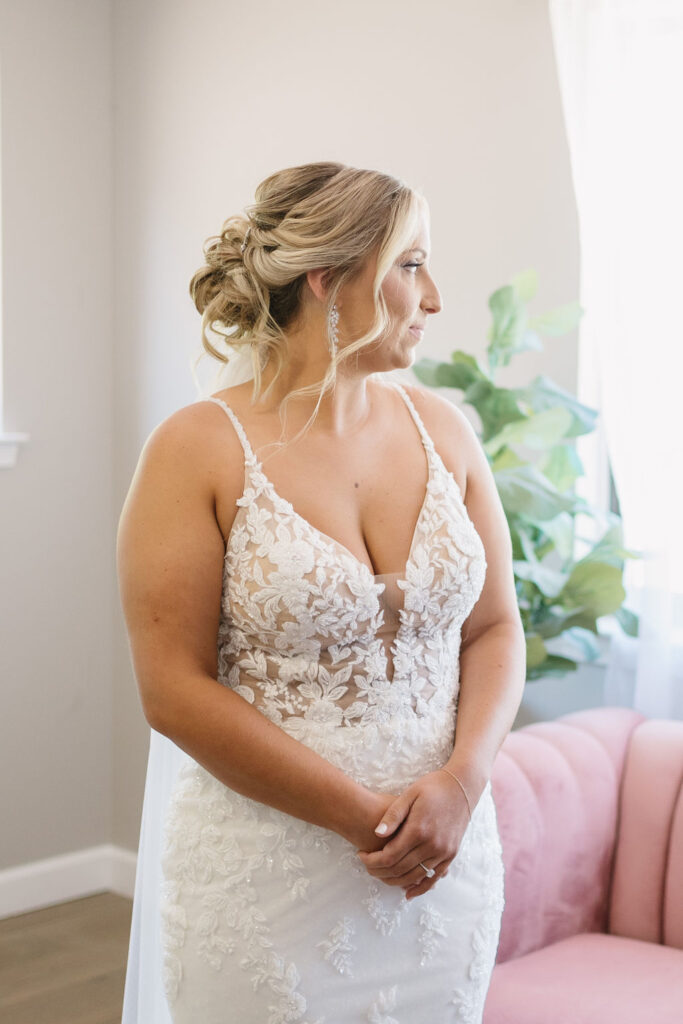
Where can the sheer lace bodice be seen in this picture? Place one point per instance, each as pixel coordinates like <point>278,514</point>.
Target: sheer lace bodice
<point>308,632</point>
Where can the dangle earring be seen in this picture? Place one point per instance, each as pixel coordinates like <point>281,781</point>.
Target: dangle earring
<point>332,334</point>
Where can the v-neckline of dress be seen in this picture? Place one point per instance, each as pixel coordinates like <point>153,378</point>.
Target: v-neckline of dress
<point>252,464</point>
<point>399,575</point>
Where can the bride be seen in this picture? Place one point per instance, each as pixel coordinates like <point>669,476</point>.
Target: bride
<point>316,575</point>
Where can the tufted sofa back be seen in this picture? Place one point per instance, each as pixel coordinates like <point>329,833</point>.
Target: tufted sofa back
<point>647,887</point>
<point>590,812</point>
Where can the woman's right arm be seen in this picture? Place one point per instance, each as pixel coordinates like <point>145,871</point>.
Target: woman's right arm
<point>170,555</point>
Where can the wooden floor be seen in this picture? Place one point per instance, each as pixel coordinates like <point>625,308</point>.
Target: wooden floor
<point>65,964</point>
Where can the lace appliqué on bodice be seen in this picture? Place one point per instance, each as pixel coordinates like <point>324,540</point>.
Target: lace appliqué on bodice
<point>307,632</point>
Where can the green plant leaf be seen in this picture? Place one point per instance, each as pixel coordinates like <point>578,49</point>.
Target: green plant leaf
<point>559,320</point>
<point>495,406</point>
<point>581,643</point>
<point>560,532</point>
<point>506,459</point>
<point>468,363</point>
<point>549,581</point>
<point>552,620</point>
<point>525,284</point>
<point>562,466</point>
<point>509,333</point>
<point>552,666</point>
<point>538,431</point>
<point>435,374</point>
<point>594,585</point>
<point>526,492</point>
<point>610,549</point>
<point>544,393</point>
<point>628,620</point>
<point>461,372</point>
<point>535,651</point>
<point>521,543</point>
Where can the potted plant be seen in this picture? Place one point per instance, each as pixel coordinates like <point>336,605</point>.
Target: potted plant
<point>528,436</point>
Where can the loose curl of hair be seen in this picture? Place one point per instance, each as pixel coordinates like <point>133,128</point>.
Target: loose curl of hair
<point>317,215</point>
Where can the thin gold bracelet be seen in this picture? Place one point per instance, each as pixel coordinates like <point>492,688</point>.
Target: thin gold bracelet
<point>453,776</point>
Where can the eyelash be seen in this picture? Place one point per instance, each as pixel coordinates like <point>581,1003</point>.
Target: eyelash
<point>413,265</point>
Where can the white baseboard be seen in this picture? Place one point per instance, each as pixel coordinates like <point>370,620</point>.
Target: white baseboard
<point>43,883</point>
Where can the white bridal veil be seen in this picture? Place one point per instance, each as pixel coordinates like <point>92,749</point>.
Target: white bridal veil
<point>144,1001</point>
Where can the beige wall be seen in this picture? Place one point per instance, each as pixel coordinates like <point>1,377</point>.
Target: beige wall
<point>458,98</point>
<point>57,506</point>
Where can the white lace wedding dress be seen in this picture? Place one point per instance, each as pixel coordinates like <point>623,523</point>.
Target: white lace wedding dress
<point>266,919</point>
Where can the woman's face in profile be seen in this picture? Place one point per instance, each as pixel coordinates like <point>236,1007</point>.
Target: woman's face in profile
<point>410,294</point>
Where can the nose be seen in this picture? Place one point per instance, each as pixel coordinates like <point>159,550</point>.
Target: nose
<point>431,300</point>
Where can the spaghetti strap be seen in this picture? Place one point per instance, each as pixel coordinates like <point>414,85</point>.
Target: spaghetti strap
<point>249,456</point>
<point>253,461</point>
<point>426,439</point>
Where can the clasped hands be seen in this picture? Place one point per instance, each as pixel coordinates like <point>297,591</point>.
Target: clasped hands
<point>425,825</point>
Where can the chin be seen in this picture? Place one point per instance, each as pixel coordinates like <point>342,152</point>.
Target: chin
<point>408,355</point>
<point>399,358</point>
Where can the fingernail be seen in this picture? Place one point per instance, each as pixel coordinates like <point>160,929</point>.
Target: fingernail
<point>381,829</point>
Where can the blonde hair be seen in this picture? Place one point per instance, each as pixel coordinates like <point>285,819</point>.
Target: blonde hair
<point>304,218</point>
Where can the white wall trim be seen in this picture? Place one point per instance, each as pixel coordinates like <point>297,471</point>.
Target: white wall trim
<point>72,876</point>
<point>9,448</point>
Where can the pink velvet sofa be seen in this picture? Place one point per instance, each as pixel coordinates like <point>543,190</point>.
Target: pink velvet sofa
<point>590,812</point>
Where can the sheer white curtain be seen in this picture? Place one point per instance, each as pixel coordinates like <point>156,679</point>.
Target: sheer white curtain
<point>620,71</point>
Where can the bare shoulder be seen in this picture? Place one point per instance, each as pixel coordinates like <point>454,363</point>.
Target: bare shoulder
<point>180,437</point>
<point>195,446</point>
<point>449,428</point>
<point>436,408</point>
<point>192,425</point>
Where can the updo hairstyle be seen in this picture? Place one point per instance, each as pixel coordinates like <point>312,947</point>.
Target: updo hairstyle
<point>304,218</point>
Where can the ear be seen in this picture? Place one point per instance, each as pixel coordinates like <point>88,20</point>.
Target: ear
<point>318,282</point>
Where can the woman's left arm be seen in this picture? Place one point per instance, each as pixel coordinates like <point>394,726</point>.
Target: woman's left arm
<point>492,678</point>
<point>429,818</point>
